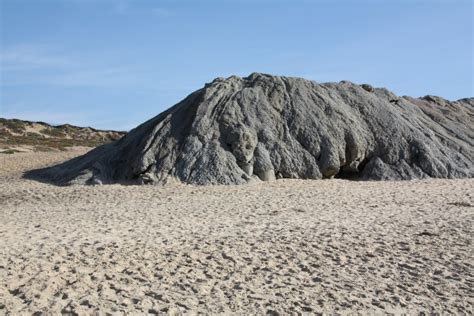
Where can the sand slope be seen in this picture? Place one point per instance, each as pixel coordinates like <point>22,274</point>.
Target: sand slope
<point>286,246</point>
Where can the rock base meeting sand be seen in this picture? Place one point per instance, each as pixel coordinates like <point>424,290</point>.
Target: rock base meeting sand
<point>288,246</point>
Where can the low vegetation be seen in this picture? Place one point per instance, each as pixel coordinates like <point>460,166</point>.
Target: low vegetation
<point>40,136</point>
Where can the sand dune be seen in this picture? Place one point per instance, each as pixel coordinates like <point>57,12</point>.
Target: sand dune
<point>282,247</point>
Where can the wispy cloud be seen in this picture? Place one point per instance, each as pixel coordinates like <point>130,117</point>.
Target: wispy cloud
<point>41,68</point>
<point>162,12</point>
<point>40,65</point>
<point>101,77</point>
<point>22,57</point>
<point>127,7</point>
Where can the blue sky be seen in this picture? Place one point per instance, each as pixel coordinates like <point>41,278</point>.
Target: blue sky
<point>114,64</point>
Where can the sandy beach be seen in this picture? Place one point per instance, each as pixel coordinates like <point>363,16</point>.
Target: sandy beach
<point>289,246</point>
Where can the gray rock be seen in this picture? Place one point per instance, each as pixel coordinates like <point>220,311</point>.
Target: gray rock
<point>367,87</point>
<point>236,129</point>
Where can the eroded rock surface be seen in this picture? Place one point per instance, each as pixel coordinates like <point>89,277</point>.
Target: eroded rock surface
<point>267,127</point>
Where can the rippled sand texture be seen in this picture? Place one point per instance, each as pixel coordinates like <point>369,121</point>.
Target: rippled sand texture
<point>288,246</point>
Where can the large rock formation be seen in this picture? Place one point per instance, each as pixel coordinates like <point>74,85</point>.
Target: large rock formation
<point>265,127</point>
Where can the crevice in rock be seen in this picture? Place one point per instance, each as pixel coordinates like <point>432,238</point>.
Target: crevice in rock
<point>347,174</point>
<point>147,170</point>
<point>363,164</point>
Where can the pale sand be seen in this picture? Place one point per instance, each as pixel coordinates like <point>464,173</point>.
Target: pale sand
<point>288,246</point>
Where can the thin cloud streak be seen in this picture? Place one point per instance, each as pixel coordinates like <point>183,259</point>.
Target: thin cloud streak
<point>104,77</point>
<point>23,57</point>
<point>36,65</point>
<point>126,7</point>
<point>162,12</point>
